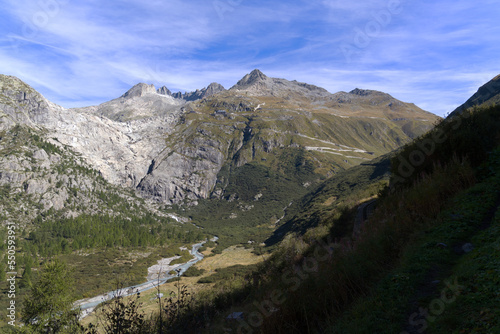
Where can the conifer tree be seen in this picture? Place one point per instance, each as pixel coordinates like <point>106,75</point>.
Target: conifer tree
<point>48,307</point>
<point>26,278</point>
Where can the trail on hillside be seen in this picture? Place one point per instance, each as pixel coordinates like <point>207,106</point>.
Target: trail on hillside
<point>363,212</point>
<point>440,272</point>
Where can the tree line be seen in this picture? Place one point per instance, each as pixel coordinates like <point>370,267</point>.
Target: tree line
<point>64,235</point>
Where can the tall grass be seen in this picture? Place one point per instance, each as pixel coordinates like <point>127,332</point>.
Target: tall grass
<point>472,134</point>
<point>453,152</point>
<point>356,265</point>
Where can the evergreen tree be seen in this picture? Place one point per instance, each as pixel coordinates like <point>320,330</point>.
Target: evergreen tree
<point>48,307</point>
<point>2,270</point>
<point>26,278</point>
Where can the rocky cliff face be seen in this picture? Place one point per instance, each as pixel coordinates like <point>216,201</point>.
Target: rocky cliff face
<point>172,148</point>
<point>37,176</point>
<point>140,90</point>
<point>21,104</point>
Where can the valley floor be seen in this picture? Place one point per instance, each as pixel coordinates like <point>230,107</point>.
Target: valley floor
<point>231,256</point>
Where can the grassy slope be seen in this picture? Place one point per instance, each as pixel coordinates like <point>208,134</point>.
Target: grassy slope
<point>376,283</point>
<point>434,261</point>
<point>339,194</point>
<point>273,162</point>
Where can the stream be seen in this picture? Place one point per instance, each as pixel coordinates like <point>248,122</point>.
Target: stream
<point>88,305</point>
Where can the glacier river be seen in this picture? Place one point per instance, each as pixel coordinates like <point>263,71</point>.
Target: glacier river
<point>88,305</point>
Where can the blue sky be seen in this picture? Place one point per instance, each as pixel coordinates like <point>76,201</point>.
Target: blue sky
<point>79,53</point>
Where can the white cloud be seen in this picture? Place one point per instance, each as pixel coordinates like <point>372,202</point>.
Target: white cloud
<point>434,53</point>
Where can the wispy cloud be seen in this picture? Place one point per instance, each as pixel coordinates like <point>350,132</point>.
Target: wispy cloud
<point>434,54</point>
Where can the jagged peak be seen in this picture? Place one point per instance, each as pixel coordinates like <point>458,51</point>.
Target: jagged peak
<point>139,90</point>
<point>164,91</point>
<point>215,85</point>
<point>257,74</point>
<point>252,78</point>
<point>214,88</point>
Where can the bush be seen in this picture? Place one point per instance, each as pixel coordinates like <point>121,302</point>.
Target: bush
<point>228,273</point>
<point>193,272</point>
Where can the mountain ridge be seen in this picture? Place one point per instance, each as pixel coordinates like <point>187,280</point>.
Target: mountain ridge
<point>172,150</point>
<point>489,93</point>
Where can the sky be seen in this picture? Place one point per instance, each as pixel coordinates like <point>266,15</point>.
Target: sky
<point>434,53</point>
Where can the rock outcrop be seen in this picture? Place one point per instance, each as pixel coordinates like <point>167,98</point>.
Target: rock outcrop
<point>140,90</point>
<point>198,94</point>
<point>257,83</point>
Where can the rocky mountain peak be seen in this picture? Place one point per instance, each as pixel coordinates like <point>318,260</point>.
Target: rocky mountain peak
<point>8,78</point>
<point>164,91</point>
<point>13,84</point>
<point>257,83</point>
<point>214,88</point>
<point>139,141</point>
<point>139,90</point>
<point>15,93</point>
<point>257,75</point>
<point>254,77</point>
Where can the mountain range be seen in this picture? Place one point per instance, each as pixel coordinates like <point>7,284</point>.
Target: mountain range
<point>171,147</point>
<point>267,163</point>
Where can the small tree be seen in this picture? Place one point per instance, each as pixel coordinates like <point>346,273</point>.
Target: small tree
<point>2,269</point>
<point>48,307</point>
<point>26,278</point>
<point>177,304</point>
<point>120,316</point>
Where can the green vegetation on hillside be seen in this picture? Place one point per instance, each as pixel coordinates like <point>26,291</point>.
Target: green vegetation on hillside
<point>470,135</point>
<point>228,273</point>
<point>425,278</point>
<point>63,235</point>
<point>335,197</point>
<point>48,307</point>
<point>255,198</point>
<point>407,253</point>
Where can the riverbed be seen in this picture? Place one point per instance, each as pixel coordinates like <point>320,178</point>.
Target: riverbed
<point>88,305</point>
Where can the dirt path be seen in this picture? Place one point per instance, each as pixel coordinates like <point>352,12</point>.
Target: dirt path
<point>364,211</point>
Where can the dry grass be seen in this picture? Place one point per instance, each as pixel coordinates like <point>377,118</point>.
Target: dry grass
<point>329,201</point>
<point>229,257</point>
